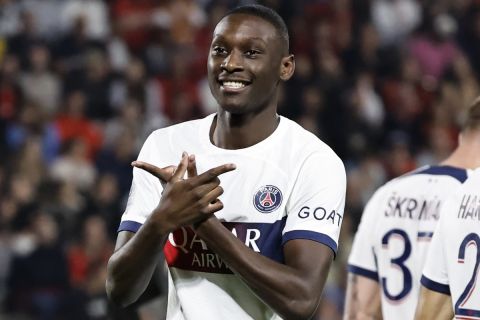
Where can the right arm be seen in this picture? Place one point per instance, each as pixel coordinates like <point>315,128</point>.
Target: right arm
<point>183,202</point>
<point>131,266</point>
<point>363,299</point>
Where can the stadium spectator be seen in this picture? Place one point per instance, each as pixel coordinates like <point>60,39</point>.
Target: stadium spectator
<point>39,84</point>
<point>95,13</point>
<point>73,123</point>
<point>73,165</point>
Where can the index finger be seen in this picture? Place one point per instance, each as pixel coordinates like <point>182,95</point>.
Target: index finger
<point>164,174</point>
<point>192,166</point>
<point>181,169</point>
<point>212,174</point>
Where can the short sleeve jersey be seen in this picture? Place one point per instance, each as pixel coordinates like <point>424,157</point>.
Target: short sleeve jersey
<point>453,262</point>
<point>289,186</point>
<point>395,231</point>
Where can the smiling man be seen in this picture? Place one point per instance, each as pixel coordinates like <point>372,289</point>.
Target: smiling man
<point>259,246</point>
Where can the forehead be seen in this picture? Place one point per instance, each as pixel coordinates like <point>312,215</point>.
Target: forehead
<point>245,27</point>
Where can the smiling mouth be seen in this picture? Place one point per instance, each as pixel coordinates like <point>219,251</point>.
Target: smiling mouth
<point>233,86</point>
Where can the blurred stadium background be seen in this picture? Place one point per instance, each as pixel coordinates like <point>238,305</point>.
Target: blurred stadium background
<point>83,82</point>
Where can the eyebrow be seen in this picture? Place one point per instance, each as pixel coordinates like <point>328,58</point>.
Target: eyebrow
<point>219,38</point>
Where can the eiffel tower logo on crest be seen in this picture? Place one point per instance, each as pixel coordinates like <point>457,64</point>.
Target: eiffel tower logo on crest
<point>267,200</point>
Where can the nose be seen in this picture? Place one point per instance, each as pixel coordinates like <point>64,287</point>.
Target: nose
<point>232,62</point>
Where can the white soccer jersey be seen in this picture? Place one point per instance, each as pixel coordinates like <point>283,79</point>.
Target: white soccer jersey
<point>288,186</point>
<point>393,236</point>
<point>453,262</point>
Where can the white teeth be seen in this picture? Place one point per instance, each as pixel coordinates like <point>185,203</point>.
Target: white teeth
<point>233,84</point>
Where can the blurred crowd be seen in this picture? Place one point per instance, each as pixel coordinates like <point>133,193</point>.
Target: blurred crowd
<point>83,83</point>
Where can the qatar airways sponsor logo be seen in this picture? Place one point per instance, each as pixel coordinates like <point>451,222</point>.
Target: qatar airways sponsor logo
<point>185,250</point>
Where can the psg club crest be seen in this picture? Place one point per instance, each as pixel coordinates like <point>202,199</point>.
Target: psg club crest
<point>267,199</point>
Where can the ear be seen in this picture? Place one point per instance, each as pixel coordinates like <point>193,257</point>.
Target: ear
<point>287,67</point>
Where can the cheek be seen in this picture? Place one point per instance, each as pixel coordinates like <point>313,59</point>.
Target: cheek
<point>268,78</point>
<point>213,64</point>
<point>211,72</point>
<point>209,66</point>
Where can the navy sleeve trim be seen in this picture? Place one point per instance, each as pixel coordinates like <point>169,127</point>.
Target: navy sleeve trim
<point>457,173</point>
<point>428,235</point>
<point>131,226</point>
<point>363,272</point>
<point>435,286</point>
<point>310,235</point>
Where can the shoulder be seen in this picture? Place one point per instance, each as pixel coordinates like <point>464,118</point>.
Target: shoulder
<point>173,132</point>
<point>164,146</point>
<point>184,127</point>
<point>421,179</point>
<point>305,146</point>
<point>473,181</point>
<point>459,175</point>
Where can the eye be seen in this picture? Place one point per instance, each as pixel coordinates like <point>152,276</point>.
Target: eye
<point>252,53</point>
<point>217,50</point>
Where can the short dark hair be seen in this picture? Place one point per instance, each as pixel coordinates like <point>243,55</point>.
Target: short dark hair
<point>472,121</point>
<point>266,14</point>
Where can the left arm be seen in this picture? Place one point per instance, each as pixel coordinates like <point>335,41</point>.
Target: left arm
<point>292,289</point>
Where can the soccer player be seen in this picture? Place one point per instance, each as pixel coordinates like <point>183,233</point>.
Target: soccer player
<point>392,240</point>
<point>452,266</point>
<point>260,245</point>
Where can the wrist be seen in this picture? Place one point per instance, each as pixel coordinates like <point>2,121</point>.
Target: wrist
<point>204,225</point>
<point>161,227</point>
<point>152,236</point>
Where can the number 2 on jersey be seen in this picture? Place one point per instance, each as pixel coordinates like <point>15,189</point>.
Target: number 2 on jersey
<point>471,239</point>
<point>400,263</point>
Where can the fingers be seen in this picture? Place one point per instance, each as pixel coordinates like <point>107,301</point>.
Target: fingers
<point>204,189</point>
<point>192,166</point>
<point>213,207</point>
<point>181,169</point>
<point>210,202</point>
<point>213,195</point>
<point>206,186</point>
<point>212,174</point>
<point>164,174</point>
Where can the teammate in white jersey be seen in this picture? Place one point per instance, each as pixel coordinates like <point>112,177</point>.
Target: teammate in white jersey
<point>260,245</point>
<point>392,240</point>
<point>451,270</point>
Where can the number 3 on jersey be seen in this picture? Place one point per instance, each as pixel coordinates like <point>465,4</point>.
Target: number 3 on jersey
<point>398,262</point>
<point>471,239</point>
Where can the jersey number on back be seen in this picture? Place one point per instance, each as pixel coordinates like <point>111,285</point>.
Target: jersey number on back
<point>400,263</point>
<point>471,239</point>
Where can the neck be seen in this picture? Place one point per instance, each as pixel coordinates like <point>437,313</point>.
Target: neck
<point>467,154</point>
<point>238,131</point>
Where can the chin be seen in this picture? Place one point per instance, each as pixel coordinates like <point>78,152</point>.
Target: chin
<point>233,107</point>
